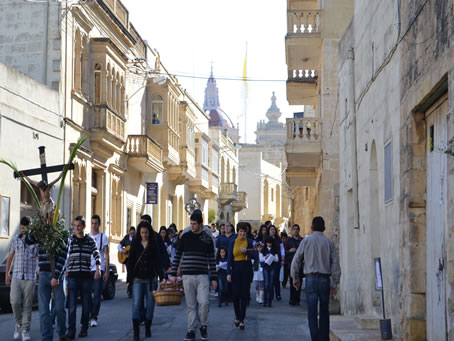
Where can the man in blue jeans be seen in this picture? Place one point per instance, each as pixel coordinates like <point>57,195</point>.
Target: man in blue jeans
<point>51,282</point>
<point>102,243</point>
<point>322,271</point>
<point>81,248</point>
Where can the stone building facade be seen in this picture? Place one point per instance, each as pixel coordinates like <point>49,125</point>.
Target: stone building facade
<point>112,86</point>
<point>314,30</point>
<point>396,184</point>
<point>265,161</point>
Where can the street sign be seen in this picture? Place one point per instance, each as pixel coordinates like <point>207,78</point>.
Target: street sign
<point>378,275</point>
<point>152,193</point>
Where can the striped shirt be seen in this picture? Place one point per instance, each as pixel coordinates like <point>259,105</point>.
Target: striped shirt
<point>196,254</point>
<point>79,257</point>
<point>25,259</point>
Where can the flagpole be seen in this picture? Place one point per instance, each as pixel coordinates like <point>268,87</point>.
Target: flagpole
<point>245,94</point>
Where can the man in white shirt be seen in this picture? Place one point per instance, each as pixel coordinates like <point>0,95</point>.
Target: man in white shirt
<point>214,232</point>
<point>102,243</point>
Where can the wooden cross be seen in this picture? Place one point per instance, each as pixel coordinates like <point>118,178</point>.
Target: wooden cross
<point>43,170</point>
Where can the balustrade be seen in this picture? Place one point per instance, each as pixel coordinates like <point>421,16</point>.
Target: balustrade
<point>302,75</point>
<point>141,145</point>
<point>307,128</point>
<point>304,21</point>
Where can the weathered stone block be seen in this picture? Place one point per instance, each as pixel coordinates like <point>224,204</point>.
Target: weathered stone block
<point>418,306</point>
<point>416,330</point>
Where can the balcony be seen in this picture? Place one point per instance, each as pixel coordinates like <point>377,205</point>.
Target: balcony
<point>241,203</point>
<point>144,154</point>
<point>107,130</point>
<point>186,170</point>
<point>169,139</point>
<point>302,87</point>
<point>303,150</point>
<point>228,193</point>
<point>303,42</point>
<point>201,183</point>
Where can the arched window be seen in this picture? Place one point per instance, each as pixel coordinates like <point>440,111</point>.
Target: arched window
<point>98,84</point>
<point>84,66</point>
<point>228,170</point>
<point>118,87</point>
<point>122,96</point>
<point>222,170</point>
<point>234,175</point>
<point>156,109</point>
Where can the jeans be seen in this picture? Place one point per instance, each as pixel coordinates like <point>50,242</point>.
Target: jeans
<point>44,300</point>
<point>222,287</point>
<point>95,301</point>
<point>268,275</point>
<point>197,295</point>
<point>276,283</point>
<point>140,291</point>
<point>74,286</point>
<point>318,290</point>
<point>240,286</point>
<point>21,298</point>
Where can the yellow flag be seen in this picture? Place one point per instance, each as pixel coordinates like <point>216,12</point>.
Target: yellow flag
<point>244,75</point>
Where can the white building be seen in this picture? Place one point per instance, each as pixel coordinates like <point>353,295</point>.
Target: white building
<point>30,117</point>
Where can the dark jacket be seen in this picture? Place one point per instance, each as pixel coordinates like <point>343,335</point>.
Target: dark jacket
<point>249,253</point>
<point>144,263</point>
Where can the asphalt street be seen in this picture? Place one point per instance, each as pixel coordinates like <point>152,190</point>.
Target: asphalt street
<point>169,323</point>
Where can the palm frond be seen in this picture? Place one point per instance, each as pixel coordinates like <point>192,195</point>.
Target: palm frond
<point>26,183</point>
<point>72,155</point>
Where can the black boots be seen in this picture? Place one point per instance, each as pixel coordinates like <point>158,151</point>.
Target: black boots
<point>148,328</point>
<point>136,324</point>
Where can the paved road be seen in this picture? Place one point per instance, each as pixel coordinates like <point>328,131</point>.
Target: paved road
<point>169,323</point>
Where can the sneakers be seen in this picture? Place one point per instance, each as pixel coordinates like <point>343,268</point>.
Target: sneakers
<point>203,333</point>
<point>190,336</point>
<point>25,335</point>
<point>93,323</point>
<point>17,331</point>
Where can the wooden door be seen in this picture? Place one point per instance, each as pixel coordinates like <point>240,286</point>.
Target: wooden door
<point>436,121</point>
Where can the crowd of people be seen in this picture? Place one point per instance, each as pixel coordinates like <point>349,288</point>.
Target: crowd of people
<point>209,259</point>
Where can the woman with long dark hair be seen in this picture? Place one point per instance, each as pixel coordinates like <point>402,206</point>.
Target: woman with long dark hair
<point>263,234</point>
<point>281,253</point>
<point>239,269</point>
<point>145,268</point>
<point>268,258</point>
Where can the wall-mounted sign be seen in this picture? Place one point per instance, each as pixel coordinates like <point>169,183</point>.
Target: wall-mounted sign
<point>378,275</point>
<point>152,193</point>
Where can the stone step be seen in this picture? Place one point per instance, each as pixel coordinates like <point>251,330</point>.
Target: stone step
<point>344,328</point>
<point>367,321</point>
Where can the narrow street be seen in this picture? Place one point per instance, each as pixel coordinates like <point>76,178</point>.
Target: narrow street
<point>170,322</point>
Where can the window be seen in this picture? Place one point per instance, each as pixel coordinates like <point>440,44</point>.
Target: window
<point>215,161</point>
<point>156,109</point>
<point>97,84</point>
<point>205,152</point>
<point>388,172</point>
<point>4,219</point>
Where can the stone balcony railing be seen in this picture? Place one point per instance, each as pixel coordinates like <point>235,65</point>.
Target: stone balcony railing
<point>303,129</point>
<point>141,145</point>
<point>304,21</point>
<point>228,193</point>
<point>305,76</point>
<point>241,203</point>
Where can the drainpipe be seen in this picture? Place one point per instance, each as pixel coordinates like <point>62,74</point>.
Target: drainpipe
<point>354,135</point>
<point>46,45</point>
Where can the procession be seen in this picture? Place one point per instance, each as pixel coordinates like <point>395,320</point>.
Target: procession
<point>197,257</point>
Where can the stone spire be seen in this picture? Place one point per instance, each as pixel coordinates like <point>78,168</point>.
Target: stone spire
<point>273,112</point>
<point>211,94</point>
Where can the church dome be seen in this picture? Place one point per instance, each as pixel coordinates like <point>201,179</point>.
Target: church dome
<point>273,112</point>
<point>218,118</point>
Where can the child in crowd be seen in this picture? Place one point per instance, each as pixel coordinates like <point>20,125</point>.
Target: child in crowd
<point>221,268</point>
<point>258,275</point>
<point>268,258</point>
